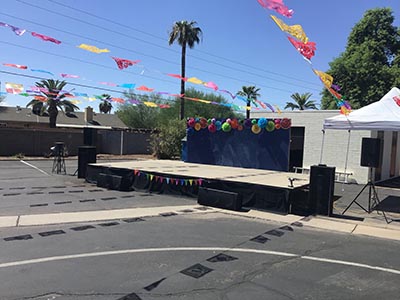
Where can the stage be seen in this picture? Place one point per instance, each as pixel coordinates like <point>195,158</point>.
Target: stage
<point>265,189</point>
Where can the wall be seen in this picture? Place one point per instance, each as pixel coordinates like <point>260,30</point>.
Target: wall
<point>335,144</point>
<point>37,142</point>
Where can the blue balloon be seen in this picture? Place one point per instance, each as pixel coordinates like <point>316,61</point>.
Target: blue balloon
<point>262,122</point>
<point>218,125</point>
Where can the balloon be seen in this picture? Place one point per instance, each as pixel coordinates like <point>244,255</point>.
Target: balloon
<point>213,120</point>
<point>191,122</point>
<point>234,124</point>
<point>197,126</point>
<point>262,122</point>
<point>203,122</point>
<point>255,129</point>
<point>218,125</point>
<point>240,127</point>
<point>209,121</point>
<point>247,123</point>
<point>286,123</point>
<point>212,128</point>
<point>228,120</point>
<point>270,126</point>
<point>226,127</point>
<point>254,121</point>
<point>277,125</point>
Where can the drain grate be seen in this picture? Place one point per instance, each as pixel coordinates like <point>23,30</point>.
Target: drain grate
<point>38,187</point>
<point>95,190</point>
<point>87,200</point>
<point>275,232</point>
<point>286,227</point>
<point>196,271</point>
<point>186,210</point>
<point>76,191</point>
<point>168,214</point>
<point>127,196</point>
<point>221,257</point>
<point>56,192</point>
<point>12,194</point>
<point>108,198</point>
<point>62,202</point>
<point>17,188</point>
<point>59,187</point>
<point>132,296</point>
<point>35,193</point>
<point>152,286</point>
<point>297,224</point>
<point>19,238</point>
<point>49,233</point>
<point>82,228</point>
<point>259,239</point>
<point>108,224</point>
<point>132,220</point>
<point>203,208</point>
<point>39,205</point>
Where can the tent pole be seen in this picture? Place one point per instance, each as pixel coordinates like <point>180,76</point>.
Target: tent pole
<point>322,146</point>
<point>347,157</point>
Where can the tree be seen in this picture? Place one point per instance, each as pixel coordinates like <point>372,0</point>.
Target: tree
<point>105,105</point>
<point>301,102</point>
<point>369,67</point>
<point>251,94</point>
<point>52,99</point>
<point>186,34</point>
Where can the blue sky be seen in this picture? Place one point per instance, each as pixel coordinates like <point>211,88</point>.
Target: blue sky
<point>241,44</point>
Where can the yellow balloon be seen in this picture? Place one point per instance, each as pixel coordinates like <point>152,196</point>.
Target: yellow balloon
<point>255,129</point>
<point>197,126</point>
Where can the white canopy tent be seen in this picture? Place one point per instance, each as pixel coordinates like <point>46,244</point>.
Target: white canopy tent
<point>381,115</point>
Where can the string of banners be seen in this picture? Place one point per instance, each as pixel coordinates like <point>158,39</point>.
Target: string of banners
<point>170,180</point>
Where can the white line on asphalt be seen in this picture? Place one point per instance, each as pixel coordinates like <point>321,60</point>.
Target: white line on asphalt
<point>244,250</point>
<point>28,164</point>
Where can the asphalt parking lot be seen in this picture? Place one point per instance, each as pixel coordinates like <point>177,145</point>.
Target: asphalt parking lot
<point>178,251</point>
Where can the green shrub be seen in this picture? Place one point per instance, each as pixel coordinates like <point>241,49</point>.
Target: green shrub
<point>166,142</point>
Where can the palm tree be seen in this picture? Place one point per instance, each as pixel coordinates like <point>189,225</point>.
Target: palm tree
<point>251,94</point>
<point>186,34</point>
<point>105,106</point>
<point>53,99</point>
<point>301,102</point>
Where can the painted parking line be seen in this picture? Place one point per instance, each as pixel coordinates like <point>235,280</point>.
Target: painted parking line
<point>36,168</point>
<point>178,249</point>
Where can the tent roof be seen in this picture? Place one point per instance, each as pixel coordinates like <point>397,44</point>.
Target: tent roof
<point>381,115</point>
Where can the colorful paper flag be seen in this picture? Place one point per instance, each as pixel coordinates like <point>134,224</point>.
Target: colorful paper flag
<point>278,6</point>
<point>195,80</point>
<point>16,30</point>
<point>305,49</point>
<point>211,85</point>
<point>127,85</point>
<point>46,38</point>
<point>150,104</point>
<point>16,66</point>
<point>124,63</point>
<point>326,79</point>
<point>69,75</point>
<point>42,71</point>
<point>92,48</point>
<point>14,88</point>
<point>294,30</point>
<point>144,89</point>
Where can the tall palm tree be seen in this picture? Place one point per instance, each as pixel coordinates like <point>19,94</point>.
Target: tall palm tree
<point>105,105</point>
<point>251,94</point>
<point>301,102</point>
<point>53,98</point>
<point>186,34</point>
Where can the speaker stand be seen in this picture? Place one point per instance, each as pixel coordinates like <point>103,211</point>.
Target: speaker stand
<point>372,198</point>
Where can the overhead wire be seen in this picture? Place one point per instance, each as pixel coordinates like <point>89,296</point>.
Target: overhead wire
<point>163,39</point>
<point>153,44</point>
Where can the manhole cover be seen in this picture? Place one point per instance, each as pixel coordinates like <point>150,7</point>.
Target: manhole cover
<point>108,224</point>
<point>132,220</point>
<point>196,271</point>
<point>19,238</point>
<point>82,228</point>
<point>221,257</point>
<point>260,239</point>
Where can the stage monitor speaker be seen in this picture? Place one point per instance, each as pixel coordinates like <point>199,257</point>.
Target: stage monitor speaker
<point>370,152</point>
<point>120,183</point>
<point>219,198</point>
<point>103,180</point>
<point>322,188</point>
<point>89,136</point>
<point>86,155</point>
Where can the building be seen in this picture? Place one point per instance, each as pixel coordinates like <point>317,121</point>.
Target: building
<point>311,145</point>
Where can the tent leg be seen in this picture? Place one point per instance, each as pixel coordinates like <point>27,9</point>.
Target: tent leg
<point>347,156</point>
<point>322,146</point>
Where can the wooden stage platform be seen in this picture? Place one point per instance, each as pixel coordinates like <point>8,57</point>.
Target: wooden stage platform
<point>264,189</point>
<point>212,172</point>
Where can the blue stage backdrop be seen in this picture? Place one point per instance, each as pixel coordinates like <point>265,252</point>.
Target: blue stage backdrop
<point>239,148</point>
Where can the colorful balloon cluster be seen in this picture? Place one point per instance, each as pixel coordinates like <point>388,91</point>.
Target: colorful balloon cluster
<point>256,125</point>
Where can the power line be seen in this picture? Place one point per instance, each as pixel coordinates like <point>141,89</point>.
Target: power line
<point>163,39</point>
<point>166,48</point>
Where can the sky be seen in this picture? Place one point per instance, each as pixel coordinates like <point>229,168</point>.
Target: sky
<point>241,45</point>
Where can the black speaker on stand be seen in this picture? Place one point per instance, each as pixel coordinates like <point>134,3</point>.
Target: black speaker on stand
<point>370,157</point>
<point>322,188</point>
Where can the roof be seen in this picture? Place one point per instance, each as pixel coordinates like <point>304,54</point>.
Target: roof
<point>380,115</point>
<point>76,119</point>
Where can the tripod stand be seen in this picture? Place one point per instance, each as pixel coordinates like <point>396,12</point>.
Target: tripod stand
<point>58,161</point>
<point>373,199</point>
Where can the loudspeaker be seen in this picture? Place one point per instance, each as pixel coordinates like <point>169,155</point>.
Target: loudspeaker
<point>370,152</point>
<point>86,155</point>
<point>114,182</point>
<point>89,136</point>
<point>103,180</point>
<point>219,198</point>
<point>322,188</point>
